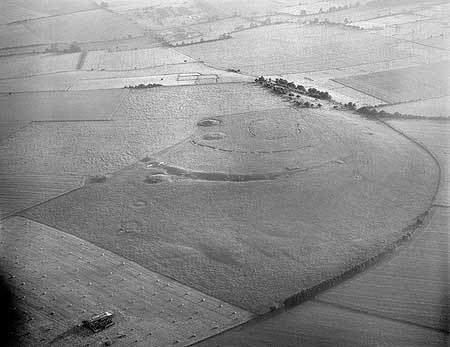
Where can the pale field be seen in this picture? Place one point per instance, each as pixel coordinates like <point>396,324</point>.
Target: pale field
<point>146,122</point>
<point>86,148</point>
<point>96,25</point>
<point>14,35</point>
<point>312,7</point>
<point>319,48</point>
<point>435,135</point>
<point>135,59</point>
<point>207,31</point>
<point>176,102</point>
<point>438,107</point>
<point>80,79</point>
<point>435,11</point>
<point>346,188</point>
<point>51,82</point>
<point>383,22</point>
<point>122,82</point>
<point>124,5</point>
<point>402,85</point>
<point>179,79</point>
<point>60,106</point>
<point>18,10</point>
<point>60,279</point>
<point>23,66</point>
<point>7,128</point>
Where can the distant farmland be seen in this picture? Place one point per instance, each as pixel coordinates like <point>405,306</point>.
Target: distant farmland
<point>87,26</point>
<point>181,102</point>
<point>134,59</point>
<point>61,106</point>
<point>293,49</point>
<point>21,66</point>
<point>403,85</point>
<point>439,107</point>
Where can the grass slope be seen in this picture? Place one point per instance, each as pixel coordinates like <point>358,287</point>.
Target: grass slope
<point>346,188</point>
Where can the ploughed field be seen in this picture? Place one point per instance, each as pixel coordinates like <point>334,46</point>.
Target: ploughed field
<point>254,206</point>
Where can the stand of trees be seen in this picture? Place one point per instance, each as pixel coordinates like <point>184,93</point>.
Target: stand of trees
<point>282,86</point>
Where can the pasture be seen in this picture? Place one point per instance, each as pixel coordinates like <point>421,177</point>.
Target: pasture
<point>30,65</point>
<point>316,48</point>
<point>434,134</point>
<point>22,10</point>
<point>403,85</point>
<point>187,102</point>
<point>59,280</point>
<point>134,59</point>
<point>88,26</point>
<point>60,106</point>
<point>438,107</point>
<point>258,206</point>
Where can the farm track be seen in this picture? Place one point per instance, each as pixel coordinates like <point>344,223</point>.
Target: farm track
<point>406,298</point>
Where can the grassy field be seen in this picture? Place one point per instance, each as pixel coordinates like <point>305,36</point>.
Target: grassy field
<point>147,122</point>
<point>205,31</point>
<point>181,102</point>
<point>439,107</point>
<point>19,10</point>
<point>23,66</point>
<point>59,280</point>
<point>402,85</point>
<point>7,128</point>
<point>335,190</point>
<point>135,59</point>
<point>86,148</point>
<point>85,26</point>
<point>60,106</point>
<point>81,79</point>
<point>434,134</point>
<point>319,48</point>
<point>410,291</point>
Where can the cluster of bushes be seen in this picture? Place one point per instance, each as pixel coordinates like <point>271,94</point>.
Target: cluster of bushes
<point>282,86</point>
<point>144,86</point>
<point>372,112</point>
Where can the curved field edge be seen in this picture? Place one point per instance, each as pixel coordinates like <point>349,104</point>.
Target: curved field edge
<point>309,290</point>
<point>388,252</point>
